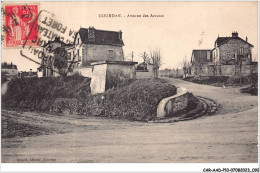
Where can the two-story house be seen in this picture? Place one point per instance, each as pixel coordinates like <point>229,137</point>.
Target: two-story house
<point>230,56</point>
<point>90,45</point>
<point>232,50</point>
<point>93,45</point>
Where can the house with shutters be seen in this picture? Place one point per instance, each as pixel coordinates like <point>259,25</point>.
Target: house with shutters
<point>232,50</point>
<point>230,56</point>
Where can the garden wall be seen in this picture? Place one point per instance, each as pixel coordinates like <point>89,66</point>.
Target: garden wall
<point>172,106</point>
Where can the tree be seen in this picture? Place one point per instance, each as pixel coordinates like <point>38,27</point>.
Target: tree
<point>186,66</point>
<point>146,59</point>
<point>157,61</point>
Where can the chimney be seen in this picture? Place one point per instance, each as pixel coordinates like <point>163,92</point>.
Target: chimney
<point>120,35</point>
<point>246,39</point>
<point>30,73</point>
<point>91,34</point>
<point>234,34</point>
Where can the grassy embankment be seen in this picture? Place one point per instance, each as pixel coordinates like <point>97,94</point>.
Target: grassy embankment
<point>221,81</point>
<point>132,99</point>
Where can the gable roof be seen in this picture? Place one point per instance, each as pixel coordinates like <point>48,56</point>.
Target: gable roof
<point>222,40</point>
<point>100,37</point>
<point>201,55</point>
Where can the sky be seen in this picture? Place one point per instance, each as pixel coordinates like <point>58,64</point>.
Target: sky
<point>184,27</point>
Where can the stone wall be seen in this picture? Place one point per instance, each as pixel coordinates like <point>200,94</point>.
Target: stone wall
<point>171,106</point>
<point>92,52</point>
<point>224,70</point>
<point>232,47</point>
<point>106,74</point>
<point>144,74</point>
<point>84,71</point>
<point>232,70</point>
<point>116,72</point>
<point>205,70</point>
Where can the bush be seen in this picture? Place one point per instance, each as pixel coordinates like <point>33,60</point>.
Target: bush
<point>136,101</point>
<point>223,80</point>
<point>40,93</point>
<point>132,99</point>
<point>252,89</point>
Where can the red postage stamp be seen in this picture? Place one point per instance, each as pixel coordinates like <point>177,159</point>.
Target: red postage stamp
<point>19,21</point>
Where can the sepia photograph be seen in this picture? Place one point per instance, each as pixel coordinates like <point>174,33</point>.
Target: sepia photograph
<point>129,82</point>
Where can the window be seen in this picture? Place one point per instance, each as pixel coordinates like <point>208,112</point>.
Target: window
<point>241,51</point>
<point>235,55</point>
<point>110,54</point>
<point>79,58</point>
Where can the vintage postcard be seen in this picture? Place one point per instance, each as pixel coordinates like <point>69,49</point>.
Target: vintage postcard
<point>130,82</point>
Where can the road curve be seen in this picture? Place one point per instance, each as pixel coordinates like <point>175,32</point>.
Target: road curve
<point>229,136</point>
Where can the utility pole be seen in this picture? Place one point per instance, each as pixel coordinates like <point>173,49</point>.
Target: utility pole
<point>132,56</point>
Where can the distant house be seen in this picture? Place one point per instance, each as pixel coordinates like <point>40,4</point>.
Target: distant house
<point>10,69</point>
<point>230,56</point>
<point>144,70</point>
<point>58,56</point>
<point>93,45</point>
<point>27,74</point>
<point>176,73</point>
<point>200,61</point>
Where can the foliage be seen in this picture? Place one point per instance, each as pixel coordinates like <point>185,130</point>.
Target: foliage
<point>224,80</point>
<point>136,100</point>
<point>129,99</point>
<point>40,93</point>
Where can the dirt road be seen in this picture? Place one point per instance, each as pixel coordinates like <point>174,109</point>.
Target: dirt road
<point>228,136</point>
